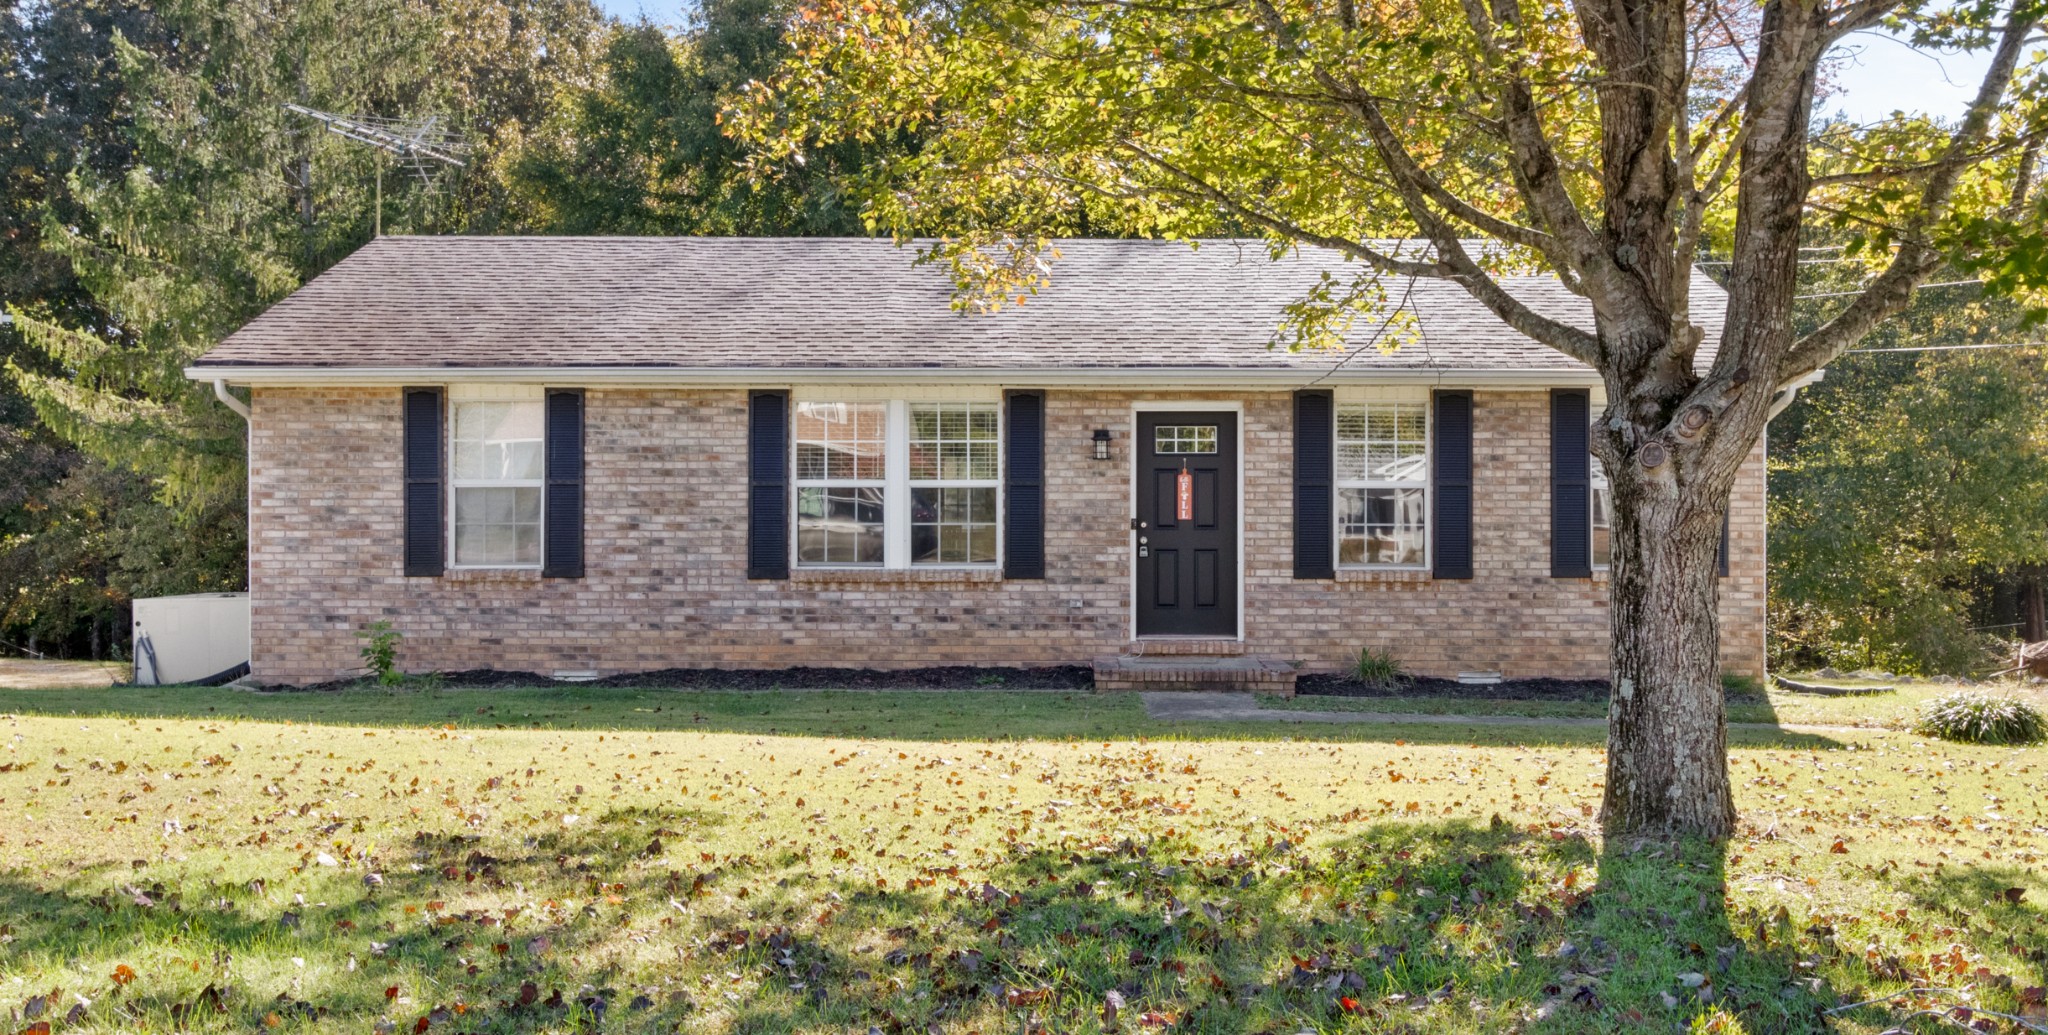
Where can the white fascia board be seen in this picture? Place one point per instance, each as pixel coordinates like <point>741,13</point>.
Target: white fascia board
<point>1130,378</point>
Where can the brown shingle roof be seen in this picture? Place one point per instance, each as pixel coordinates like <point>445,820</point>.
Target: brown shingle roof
<point>797,303</point>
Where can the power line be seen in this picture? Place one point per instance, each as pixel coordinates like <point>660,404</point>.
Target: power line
<point>1858,291</point>
<point>1802,262</point>
<point>1957,348</point>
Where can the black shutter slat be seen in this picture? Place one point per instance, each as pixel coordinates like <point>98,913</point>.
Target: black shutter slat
<point>768,515</point>
<point>1024,486</point>
<point>1721,558</point>
<point>1315,555</point>
<point>1571,484</point>
<point>1452,524</point>
<point>424,517</point>
<point>562,508</point>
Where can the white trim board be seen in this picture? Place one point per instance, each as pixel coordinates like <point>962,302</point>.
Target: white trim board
<point>1126,378</point>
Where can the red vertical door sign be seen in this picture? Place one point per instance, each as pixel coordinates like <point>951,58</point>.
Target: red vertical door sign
<point>1186,494</point>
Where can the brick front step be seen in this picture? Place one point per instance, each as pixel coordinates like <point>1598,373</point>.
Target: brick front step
<point>1257,673</point>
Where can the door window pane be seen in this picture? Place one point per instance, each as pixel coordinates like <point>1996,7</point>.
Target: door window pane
<point>1172,439</point>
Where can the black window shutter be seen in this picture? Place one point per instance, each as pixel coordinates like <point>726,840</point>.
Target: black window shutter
<point>1024,486</point>
<point>1314,475</point>
<point>1721,558</point>
<point>1452,527</point>
<point>768,515</point>
<point>1571,484</point>
<point>562,508</point>
<point>424,515</point>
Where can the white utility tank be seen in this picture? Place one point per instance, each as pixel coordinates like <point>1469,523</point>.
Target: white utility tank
<point>197,637</point>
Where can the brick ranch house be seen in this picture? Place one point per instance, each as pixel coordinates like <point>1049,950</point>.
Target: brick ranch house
<point>582,456</point>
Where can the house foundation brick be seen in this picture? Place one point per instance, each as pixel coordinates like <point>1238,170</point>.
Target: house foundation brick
<point>665,555</point>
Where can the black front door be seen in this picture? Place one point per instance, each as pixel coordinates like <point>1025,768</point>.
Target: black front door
<point>1187,523</point>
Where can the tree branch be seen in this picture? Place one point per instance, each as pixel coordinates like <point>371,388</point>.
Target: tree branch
<point>1409,176</point>
<point>1535,160</point>
<point>1453,263</point>
<point>1917,259</point>
<point>1196,187</point>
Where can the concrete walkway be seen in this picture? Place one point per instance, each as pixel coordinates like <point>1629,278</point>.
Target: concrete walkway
<point>1189,706</point>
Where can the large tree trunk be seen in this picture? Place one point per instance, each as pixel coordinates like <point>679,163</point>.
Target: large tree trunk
<point>1667,751</point>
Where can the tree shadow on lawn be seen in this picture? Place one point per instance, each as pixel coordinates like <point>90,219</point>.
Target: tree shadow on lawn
<point>624,926</point>
<point>1991,905</point>
<point>919,716</point>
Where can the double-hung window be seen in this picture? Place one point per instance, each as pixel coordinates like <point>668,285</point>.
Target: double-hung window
<point>1383,484</point>
<point>953,478</point>
<point>495,452</point>
<point>841,464</point>
<point>897,483</point>
<point>1603,516</point>
<point>1601,497</point>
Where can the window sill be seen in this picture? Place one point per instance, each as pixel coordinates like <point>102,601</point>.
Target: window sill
<point>1384,575</point>
<point>502,576</point>
<point>894,576</point>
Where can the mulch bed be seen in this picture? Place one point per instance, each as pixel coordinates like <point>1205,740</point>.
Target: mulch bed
<point>1345,685</point>
<point>954,677</point>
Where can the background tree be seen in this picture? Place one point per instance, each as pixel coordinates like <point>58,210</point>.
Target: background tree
<point>638,149</point>
<point>1909,494</point>
<point>1607,141</point>
<point>157,197</point>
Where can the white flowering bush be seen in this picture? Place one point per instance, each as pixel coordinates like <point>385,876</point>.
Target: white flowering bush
<point>1978,718</point>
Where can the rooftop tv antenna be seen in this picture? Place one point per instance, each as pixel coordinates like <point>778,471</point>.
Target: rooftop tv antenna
<point>417,142</point>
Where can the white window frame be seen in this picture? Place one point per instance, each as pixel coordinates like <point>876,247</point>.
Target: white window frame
<point>896,484</point>
<point>1596,475</point>
<point>1366,398</point>
<point>912,484</point>
<point>800,483</point>
<point>1596,472</point>
<point>459,394</point>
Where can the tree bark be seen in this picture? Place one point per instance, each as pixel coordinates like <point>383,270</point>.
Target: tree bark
<point>2033,611</point>
<point>1667,750</point>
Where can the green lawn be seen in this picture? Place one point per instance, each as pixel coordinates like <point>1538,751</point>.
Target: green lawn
<point>627,861</point>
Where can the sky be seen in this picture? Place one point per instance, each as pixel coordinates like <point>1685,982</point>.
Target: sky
<point>1879,74</point>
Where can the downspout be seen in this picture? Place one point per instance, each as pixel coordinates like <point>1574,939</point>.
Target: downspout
<point>227,398</point>
<point>1779,401</point>
<point>220,391</point>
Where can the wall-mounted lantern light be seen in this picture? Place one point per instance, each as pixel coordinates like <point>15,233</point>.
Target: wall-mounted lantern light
<point>1101,443</point>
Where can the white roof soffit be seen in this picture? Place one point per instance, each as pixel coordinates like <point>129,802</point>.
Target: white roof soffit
<point>1135,378</point>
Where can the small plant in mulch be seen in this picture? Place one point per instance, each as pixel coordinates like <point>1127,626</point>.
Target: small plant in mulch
<point>1378,668</point>
<point>1980,718</point>
<point>380,652</point>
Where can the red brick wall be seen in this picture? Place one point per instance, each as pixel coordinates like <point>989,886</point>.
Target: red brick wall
<point>665,527</point>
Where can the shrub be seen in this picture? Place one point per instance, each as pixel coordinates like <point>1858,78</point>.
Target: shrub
<point>380,652</point>
<point>1977,718</point>
<point>1378,668</point>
